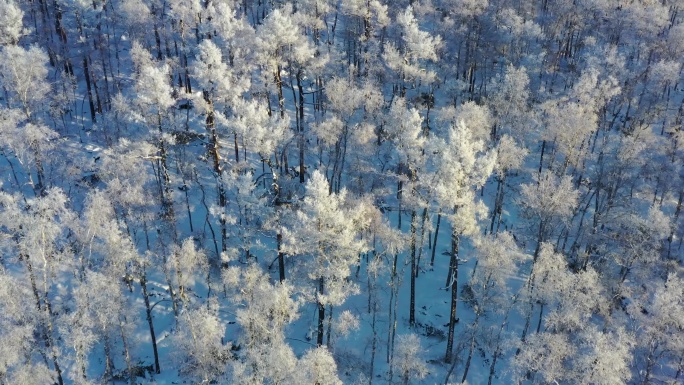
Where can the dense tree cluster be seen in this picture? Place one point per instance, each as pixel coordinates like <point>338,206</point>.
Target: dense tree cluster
<point>354,191</point>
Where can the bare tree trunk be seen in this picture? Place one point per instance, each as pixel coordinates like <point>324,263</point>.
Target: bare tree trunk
<point>374,343</point>
<point>281,257</point>
<point>394,294</point>
<point>321,313</point>
<point>498,203</point>
<point>541,314</point>
<point>279,84</point>
<point>434,243</point>
<point>301,126</point>
<point>412,306</point>
<point>129,365</point>
<point>526,328</point>
<point>216,159</point>
<point>541,157</point>
<point>150,323</point>
<point>91,103</point>
<point>453,268</point>
<point>468,360</point>
<point>422,240</point>
<point>109,363</point>
<point>49,340</point>
<point>400,188</point>
<point>328,336</point>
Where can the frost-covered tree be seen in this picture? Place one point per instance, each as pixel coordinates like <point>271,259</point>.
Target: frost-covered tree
<point>201,352</point>
<point>19,350</point>
<point>510,157</point>
<point>261,133</point>
<point>231,31</point>
<point>103,244</point>
<point>282,47</point>
<point>657,316</point>
<point>547,355</point>
<point>608,357</point>
<point>136,15</point>
<point>97,318</point>
<point>636,245</point>
<point>30,143</point>
<point>407,362</point>
<point>265,310</point>
<point>408,57</point>
<point>509,103</point>
<point>24,73</point>
<point>403,130</point>
<point>463,167</point>
<point>570,124</point>
<point>220,88</point>
<point>11,26</point>
<point>38,229</point>
<point>281,44</point>
<point>573,298</point>
<point>32,374</point>
<point>548,202</point>
<point>477,116</point>
<point>573,120</point>
<point>326,233</point>
<point>317,366</point>
<point>153,101</point>
<point>487,292</point>
<point>183,265</point>
<point>348,121</point>
<point>126,174</point>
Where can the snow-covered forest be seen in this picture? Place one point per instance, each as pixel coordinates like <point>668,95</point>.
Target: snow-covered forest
<point>341,192</point>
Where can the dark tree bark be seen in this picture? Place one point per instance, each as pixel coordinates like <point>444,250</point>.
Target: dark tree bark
<point>453,269</point>
<point>412,306</point>
<point>150,323</point>
<point>434,243</point>
<point>321,313</point>
<point>91,103</point>
<point>279,84</point>
<point>301,126</point>
<point>422,240</point>
<point>216,161</point>
<point>281,257</point>
<point>498,204</point>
